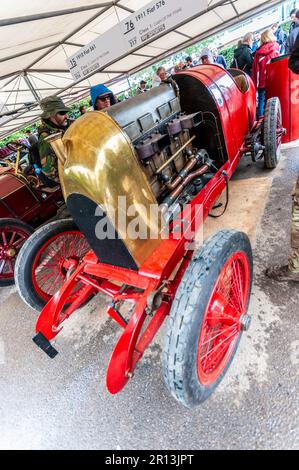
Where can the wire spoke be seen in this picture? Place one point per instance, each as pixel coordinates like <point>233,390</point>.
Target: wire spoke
<point>12,238</point>
<point>239,294</point>
<point>2,266</point>
<point>10,264</point>
<point>211,351</point>
<point>19,242</point>
<point>4,239</point>
<point>219,334</point>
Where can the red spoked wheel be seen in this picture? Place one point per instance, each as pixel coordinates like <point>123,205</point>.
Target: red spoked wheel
<point>56,260</point>
<point>208,316</point>
<point>48,258</point>
<point>13,234</point>
<point>224,319</point>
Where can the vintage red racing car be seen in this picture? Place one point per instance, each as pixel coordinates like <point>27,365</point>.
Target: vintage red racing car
<point>176,154</point>
<point>25,203</point>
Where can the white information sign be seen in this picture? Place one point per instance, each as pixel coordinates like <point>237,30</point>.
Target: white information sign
<point>153,20</point>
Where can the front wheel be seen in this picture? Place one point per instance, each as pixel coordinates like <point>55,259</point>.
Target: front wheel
<point>208,316</point>
<point>48,257</point>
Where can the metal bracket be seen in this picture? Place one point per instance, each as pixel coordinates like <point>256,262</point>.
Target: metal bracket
<point>41,341</point>
<point>155,299</point>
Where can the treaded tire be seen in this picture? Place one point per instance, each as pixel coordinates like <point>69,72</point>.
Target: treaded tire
<point>184,324</point>
<point>272,120</point>
<point>25,229</point>
<point>27,256</point>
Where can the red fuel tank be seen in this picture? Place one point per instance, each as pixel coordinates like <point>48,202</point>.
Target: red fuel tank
<point>282,82</point>
<point>210,88</point>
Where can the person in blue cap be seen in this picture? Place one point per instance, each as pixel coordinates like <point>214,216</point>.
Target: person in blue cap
<point>101,97</point>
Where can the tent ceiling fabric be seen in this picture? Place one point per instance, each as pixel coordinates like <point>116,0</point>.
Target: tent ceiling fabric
<point>37,37</point>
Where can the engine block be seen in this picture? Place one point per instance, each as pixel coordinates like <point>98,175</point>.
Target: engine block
<point>158,135</point>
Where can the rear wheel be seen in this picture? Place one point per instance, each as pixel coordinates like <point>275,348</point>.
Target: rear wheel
<point>207,318</point>
<point>273,133</point>
<point>48,257</point>
<point>13,234</point>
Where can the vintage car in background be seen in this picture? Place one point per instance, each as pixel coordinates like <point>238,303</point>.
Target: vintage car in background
<point>178,155</point>
<point>24,205</point>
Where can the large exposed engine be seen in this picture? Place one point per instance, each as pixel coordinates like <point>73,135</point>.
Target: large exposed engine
<point>163,137</point>
<point>144,150</point>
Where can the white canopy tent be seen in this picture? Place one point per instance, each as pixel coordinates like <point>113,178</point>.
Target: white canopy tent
<point>36,38</point>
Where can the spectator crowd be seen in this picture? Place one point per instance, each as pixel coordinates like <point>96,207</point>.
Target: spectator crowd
<point>252,54</point>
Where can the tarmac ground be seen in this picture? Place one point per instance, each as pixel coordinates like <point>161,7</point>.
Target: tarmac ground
<point>63,403</point>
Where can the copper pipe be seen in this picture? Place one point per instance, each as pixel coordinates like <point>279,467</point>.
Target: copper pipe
<point>175,155</point>
<point>187,180</point>
<point>190,165</point>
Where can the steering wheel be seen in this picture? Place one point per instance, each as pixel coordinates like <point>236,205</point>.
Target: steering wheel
<point>15,146</point>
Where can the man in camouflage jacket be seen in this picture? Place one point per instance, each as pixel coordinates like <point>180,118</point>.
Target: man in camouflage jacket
<point>53,120</point>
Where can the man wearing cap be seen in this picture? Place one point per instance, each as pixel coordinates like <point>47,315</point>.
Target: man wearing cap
<point>206,56</point>
<point>189,62</point>
<point>219,58</point>
<point>142,88</point>
<point>101,97</point>
<point>53,119</point>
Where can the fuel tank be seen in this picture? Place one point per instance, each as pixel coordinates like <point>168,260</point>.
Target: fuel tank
<point>284,84</point>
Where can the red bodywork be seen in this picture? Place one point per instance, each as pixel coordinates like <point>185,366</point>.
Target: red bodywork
<point>284,84</point>
<point>163,270</point>
<point>5,152</point>
<point>18,200</point>
<point>237,110</point>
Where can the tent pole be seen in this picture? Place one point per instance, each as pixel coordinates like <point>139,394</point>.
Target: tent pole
<point>52,14</point>
<point>31,87</point>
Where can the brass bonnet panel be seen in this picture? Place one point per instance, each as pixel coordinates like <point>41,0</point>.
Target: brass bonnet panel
<point>101,165</point>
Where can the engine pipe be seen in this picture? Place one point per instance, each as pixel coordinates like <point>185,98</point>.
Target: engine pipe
<point>201,156</point>
<point>195,174</point>
<point>175,155</point>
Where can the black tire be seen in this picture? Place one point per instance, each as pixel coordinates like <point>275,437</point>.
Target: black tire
<point>23,231</point>
<point>272,121</point>
<point>30,252</point>
<point>187,313</point>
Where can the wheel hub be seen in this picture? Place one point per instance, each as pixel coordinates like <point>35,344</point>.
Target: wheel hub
<point>11,252</point>
<point>221,311</point>
<point>245,322</point>
<point>69,266</point>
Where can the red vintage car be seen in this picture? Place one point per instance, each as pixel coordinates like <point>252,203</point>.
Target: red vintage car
<point>176,155</point>
<point>25,205</point>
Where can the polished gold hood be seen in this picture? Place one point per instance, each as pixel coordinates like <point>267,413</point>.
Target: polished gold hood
<point>100,166</point>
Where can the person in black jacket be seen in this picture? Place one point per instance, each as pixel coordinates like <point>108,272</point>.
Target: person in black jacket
<point>243,58</point>
<point>292,17</point>
<point>290,43</point>
<point>280,36</point>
